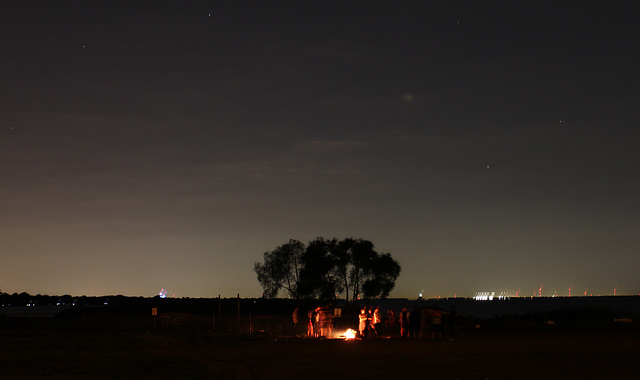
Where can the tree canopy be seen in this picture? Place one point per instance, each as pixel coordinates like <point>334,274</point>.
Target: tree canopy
<point>326,269</point>
<point>281,270</point>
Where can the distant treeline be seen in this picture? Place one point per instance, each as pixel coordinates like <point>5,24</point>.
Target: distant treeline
<point>142,305</point>
<point>26,299</point>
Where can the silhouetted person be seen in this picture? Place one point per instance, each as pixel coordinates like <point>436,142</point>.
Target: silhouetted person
<point>310,332</point>
<point>328,321</point>
<point>391,322</point>
<point>294,317</point>
<point>404,323</point>
<point>452,322</point>
<point>369,323</point>
<point>321,319</point>
<point>362,322</point>
<point>436,324</point>
<point>414,323</point>
<point>377,322</point>
<point>316,323</point>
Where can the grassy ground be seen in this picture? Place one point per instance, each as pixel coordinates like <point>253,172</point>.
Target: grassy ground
<point>69,349</point>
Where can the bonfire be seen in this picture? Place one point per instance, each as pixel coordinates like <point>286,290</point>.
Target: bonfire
<point>349,334</point>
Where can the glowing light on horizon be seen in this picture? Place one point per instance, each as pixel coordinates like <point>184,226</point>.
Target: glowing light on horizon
<point>490,296</point>
<point>484,296</point>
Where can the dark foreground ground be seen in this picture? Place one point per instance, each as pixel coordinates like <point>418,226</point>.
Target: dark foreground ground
<point>55,349</point>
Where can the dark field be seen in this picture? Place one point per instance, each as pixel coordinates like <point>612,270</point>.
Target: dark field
<point>98,348</point>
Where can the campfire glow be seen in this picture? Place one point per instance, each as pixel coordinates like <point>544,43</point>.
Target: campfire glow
<point>349,334</point>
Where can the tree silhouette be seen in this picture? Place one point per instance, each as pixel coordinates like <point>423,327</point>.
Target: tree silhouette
<point>320,278</point>
<point>281,270</point>
<point>364,271</point>
<point>380,276</point>
<point>326,268</point>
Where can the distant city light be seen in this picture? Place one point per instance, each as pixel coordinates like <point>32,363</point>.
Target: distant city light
<point>484,296</point>
<point>490,296</point>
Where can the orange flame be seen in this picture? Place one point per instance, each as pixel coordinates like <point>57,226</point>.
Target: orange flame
<point>350,334</point>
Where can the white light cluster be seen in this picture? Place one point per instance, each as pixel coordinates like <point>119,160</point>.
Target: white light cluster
<point>490,296</point>
<point>484,296</point>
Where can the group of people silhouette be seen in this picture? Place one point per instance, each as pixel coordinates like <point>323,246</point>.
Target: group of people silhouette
<point>411,323</point>
<point>319,322</point>
<point>371,324</point>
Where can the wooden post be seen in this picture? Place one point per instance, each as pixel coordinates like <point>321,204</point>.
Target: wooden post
<point>219,312</point>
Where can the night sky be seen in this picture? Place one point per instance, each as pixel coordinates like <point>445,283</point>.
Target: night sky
<point>487,145</point>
